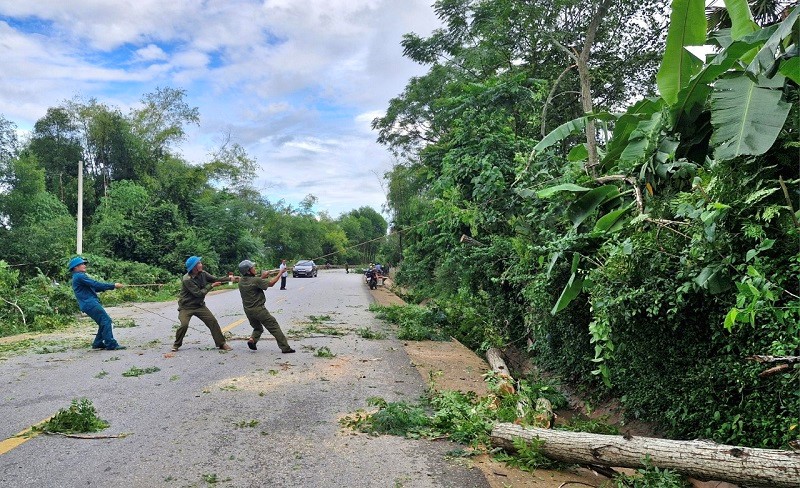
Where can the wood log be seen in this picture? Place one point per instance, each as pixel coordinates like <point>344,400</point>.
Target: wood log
<point>763,468</point>
<point>495,359</point>
<point>543,415</point>
<point>775,359</point>
<point>781,368</point>
<point>465,239</point>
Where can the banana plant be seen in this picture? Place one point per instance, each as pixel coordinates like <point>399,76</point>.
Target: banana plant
<point>723,109</point>
<point>729,106</point>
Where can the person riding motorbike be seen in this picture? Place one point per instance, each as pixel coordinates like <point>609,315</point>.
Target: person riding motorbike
<point>371,277</point>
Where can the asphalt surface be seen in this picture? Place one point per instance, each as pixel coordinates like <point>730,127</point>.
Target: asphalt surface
<point>240,418</point>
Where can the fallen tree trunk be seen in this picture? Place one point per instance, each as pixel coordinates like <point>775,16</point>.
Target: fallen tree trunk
<point>781,368</point>
<point>495,359</point>
<point>775,359</point>
<point>767,468</point>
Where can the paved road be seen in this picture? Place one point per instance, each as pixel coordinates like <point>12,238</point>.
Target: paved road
<point>240,418</point>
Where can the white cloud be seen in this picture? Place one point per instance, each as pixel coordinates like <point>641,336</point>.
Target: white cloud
<point>297,83</point>
<point>151,52</point>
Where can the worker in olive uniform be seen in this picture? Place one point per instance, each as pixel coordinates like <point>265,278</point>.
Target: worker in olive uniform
<point>195,284</point>
<point>252,288</point>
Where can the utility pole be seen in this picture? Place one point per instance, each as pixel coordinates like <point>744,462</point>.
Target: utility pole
<point>80,207</point>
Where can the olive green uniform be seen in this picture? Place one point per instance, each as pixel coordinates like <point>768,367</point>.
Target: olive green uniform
<point>192,303</point>
<point>253,299</point>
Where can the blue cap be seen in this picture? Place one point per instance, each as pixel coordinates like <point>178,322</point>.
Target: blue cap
<point>76,261</point>
<point>192,262</point>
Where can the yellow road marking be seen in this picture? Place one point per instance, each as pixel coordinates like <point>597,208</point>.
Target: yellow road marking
<point>20,438</point>
<point>233,325</point>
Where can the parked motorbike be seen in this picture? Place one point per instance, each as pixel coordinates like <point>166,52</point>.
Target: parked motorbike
<point>371,277</point>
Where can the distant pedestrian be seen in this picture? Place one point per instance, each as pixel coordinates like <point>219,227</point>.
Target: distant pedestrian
<point>284,274</point>
<point>252,288</point>
<point>347,268</point>
<point>86,290</point>
<point>195,284</point>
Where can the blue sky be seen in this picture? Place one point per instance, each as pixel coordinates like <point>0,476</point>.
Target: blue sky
<point>295,82</point>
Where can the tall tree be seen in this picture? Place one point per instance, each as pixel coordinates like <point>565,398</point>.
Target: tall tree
<point>56,143</point>
<point>39,232</point>
<point>231,166</point>
<point>9,144</point>
<point>161,120</point>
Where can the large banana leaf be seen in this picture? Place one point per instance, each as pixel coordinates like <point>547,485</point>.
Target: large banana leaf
<point>567,129</point>
<point>791,69</point>
<point>742,22</point>
<point>560,133</point>
<point>612,221</point>
<point>766,56</point>
<point>549,192</point>
<point>747,117</point>
<point>625,126</point>
<point>581,208</point>
<point>642,139</point>
<point>572,290</point>
<point>687,27</point>
<point>578,153</point>
<point>692,98</point>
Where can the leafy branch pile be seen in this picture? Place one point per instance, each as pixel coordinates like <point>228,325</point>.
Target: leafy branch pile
<point>415,323</point>
<point>462,417</point>
<point>81,417</point>
<point>41,304</point>
<point>468,419</point>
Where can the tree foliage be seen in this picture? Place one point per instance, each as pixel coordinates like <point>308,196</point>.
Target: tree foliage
<point>678,242</point>
<point>146,209</point>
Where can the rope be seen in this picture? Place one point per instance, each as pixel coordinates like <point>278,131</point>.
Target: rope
<point>354,246</point>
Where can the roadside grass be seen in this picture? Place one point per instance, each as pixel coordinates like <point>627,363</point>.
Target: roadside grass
<point>125,323</point>
<point>651,476</point>
<point>135,372</point>
<point>324,352</point>
<point>367,333</point>
<point>316,325</point>
<point>414,323</point>
<point>40,345</point>
<point>243,424</point>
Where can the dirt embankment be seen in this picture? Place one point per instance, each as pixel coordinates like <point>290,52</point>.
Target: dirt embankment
<point>453,366</point>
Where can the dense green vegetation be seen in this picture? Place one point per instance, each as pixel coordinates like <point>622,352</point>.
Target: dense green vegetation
<point>145,210</point>
<point>572,182</point>
<point>645,254</point>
